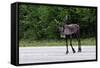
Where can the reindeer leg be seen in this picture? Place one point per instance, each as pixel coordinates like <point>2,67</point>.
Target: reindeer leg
<point>66,45</point>
<point>79,45</point>
<point>71,43</point>
<point>79,42</point>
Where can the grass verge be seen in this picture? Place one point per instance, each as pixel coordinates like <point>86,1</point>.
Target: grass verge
<point>34,43</point>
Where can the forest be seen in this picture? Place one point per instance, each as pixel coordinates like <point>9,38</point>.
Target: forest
<point>41,22</point>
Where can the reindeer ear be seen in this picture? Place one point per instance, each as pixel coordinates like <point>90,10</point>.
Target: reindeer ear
<point>56,21</point>
<point>66,17</point>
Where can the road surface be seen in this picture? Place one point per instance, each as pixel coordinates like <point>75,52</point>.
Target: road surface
<point>54,54</point>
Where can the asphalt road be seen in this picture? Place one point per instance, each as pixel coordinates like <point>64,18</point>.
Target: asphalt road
<point>54,54</point>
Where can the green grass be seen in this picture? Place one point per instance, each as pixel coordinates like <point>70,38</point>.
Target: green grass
<point>33,43</point>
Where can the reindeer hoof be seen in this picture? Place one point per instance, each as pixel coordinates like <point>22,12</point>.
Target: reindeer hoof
<point>79,50</point>
<point>66,52</point>
<point>74,51</point>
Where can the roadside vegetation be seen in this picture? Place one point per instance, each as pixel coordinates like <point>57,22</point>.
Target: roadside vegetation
<point>41,43</point>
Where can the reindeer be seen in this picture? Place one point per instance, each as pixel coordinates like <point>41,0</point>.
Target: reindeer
<point>68,30</point>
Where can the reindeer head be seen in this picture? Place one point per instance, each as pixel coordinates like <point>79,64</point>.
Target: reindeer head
<point>61,31</point>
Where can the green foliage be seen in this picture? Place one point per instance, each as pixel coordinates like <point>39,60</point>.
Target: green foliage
<point>37,22</point>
